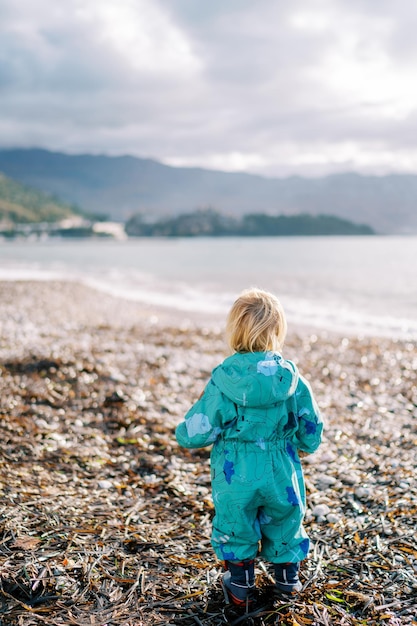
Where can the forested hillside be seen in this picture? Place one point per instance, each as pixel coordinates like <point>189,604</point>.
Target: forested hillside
<point>210,223</point>
<point>22,204</point>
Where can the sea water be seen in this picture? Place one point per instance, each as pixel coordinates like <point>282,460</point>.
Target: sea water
<point>364,285</point>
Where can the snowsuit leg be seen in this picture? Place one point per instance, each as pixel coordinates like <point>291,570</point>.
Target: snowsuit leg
<point>284,539</point>
<point>236,532</point>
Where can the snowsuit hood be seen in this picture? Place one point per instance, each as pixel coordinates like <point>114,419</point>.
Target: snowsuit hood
<point>256,379</point>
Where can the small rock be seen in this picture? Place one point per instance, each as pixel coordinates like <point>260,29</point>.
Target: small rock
<point>362,493</point>
<point>321,510</point>
<point>404,484</point>
<point>327,456</point>
<point>105,484</point>
<point>351,479</point>
<point>324,481</point>
<point>117,397</point>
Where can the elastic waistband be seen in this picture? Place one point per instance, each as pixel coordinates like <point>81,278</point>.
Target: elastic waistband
<point>267,445</point>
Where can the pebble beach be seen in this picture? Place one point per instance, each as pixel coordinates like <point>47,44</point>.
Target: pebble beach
<point>105,520</point>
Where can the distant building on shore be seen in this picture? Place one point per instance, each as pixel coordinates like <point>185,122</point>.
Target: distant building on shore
<point>111,229</point>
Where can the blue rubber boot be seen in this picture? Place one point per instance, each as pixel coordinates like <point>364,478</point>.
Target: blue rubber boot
<point>287,583</point>
<point>239,582</point>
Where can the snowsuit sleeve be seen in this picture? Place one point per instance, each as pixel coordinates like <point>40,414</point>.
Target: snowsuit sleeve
<point>310,424</point>
<point>206,419</point>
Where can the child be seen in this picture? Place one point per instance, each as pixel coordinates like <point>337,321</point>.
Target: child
<point>258,412</point>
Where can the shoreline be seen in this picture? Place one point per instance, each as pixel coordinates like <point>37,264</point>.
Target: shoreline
<point>120,309</point>
<point>346,313</point>
<point>91,388</point>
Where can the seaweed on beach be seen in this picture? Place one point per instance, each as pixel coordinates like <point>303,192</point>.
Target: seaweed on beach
<point>104,520</point>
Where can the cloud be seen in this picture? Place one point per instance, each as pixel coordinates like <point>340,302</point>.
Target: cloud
<point>270,87</point>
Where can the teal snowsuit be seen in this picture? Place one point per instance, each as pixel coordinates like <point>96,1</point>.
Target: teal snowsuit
<point>258,412</point>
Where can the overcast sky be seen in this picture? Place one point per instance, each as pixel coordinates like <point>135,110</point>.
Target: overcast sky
<point>272,87</point>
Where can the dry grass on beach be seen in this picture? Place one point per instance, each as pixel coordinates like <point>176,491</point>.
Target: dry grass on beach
<point>105,521</point>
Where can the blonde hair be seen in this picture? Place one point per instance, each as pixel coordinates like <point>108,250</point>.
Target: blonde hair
<point>256,322</point>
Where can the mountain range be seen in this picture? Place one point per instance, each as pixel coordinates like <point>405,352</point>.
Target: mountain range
<point>123,186</point>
